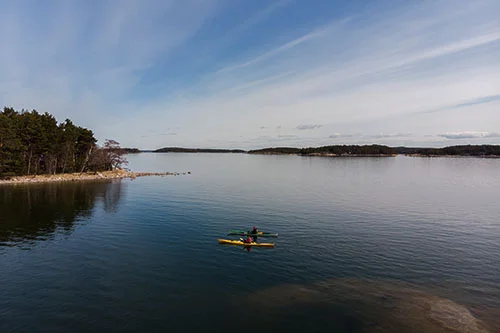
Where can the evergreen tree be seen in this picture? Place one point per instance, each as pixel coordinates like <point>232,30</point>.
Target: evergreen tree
<point>33,143</point>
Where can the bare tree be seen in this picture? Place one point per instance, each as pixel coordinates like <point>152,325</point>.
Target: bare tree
<point>115,154</point>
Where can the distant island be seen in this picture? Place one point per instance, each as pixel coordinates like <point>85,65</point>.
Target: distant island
<point>354,151</point>
<point>130,150</point>
<point>462,150</point>
<point>338,150</point>
<point>196,150</point>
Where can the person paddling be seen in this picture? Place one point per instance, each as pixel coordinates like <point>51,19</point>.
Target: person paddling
<point>254,232</point>
<point>248,240</point>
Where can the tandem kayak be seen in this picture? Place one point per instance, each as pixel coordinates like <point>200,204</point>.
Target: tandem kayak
<point>238,242</point>
<point>249,233</point>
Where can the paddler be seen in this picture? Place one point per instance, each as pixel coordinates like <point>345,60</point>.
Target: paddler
<point>255,233</point>
<point>248,240</point>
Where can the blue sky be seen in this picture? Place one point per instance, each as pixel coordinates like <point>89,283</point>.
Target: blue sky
<point>254,73</point>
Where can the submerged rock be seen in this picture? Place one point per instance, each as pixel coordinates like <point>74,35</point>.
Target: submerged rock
<point>353,305</point>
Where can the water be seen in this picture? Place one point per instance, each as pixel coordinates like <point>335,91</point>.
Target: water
<point>142,255</point>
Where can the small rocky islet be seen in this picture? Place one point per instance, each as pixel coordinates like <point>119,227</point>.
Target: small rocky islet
<point>73,177</point>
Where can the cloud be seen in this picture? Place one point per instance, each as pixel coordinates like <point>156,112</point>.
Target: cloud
<point>153,134</point>
<point>395,135</point>
<point>274,52</point>
<point>370,136</point>
<point>307,127</point>
<point>469,135</point>
<point>219,70</point>
<point>89,72</point>
<point>340,135</point>
<point>480,100</point>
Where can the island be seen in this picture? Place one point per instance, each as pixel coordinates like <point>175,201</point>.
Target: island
<point>130,150</point>
<point>333,151</point>
<point>197,150</point>
<point>34,147</point>
<point>492,151</point>
<point>373,150</point>
<point>484,151</point>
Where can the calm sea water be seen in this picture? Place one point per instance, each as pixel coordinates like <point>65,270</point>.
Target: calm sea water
<point>142,255</point>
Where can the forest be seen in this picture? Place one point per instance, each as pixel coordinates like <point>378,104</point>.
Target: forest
<point>340,150</point>
<point>32,143</point>
<point>462,150</point>
<point>196,150</point>
<point>380,150</point>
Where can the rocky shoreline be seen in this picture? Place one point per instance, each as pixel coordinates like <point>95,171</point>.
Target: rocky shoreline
<point>452,156</point>
<point>348,155</point>
<point>72,177</point>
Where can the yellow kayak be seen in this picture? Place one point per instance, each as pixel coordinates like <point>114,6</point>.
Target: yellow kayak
<point>238,242</point>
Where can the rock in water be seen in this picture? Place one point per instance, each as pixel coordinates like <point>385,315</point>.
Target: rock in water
<point>366,305</point>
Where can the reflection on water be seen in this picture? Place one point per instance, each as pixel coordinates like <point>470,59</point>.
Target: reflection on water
<point>355,305</point>
<point>30,213</point>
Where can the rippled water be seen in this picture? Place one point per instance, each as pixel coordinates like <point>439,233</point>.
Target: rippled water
<point>142,255</point>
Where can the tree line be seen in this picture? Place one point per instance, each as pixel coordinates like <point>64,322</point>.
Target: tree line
<point>32,143</point>
<point>374,150</point>
<point>196,150</point>
<point>462,150</point>
<point>366,150</point>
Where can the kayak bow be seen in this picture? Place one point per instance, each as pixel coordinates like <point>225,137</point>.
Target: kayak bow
<point>248,233</point>
<point>238,242</point>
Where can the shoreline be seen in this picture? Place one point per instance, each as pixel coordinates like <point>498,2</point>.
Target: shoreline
<point>344,155</point>
<point>451,156</point>
<point>324,154</point>
<point>88,176</point>
<point>348,155</point>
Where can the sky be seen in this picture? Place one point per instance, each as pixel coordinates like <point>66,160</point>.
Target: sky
<point>253,73</point>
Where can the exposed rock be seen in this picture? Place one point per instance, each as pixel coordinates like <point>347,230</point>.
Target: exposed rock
<point>116,174</point>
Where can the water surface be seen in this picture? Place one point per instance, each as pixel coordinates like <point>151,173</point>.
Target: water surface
<point>142,255</point>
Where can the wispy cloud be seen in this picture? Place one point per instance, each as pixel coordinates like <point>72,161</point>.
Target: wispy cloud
<point>276,51</point>
<point>220,70</point>
<point>307,127</point>
<point>258,17</point>
<point>340,135</point>
<point>470,135</point>
<point>395,135</point>
<point>480,100</point>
